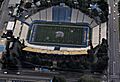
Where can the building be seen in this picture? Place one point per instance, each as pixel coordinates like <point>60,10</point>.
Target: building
<point>13,3</point>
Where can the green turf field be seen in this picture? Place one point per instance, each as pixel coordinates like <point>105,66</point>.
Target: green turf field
<point>58,34</point>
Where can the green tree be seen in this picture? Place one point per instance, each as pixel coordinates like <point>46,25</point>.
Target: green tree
<point>35,60</point>
<point>28,5</point>
<point>58,79</point>
<point>88,78</point>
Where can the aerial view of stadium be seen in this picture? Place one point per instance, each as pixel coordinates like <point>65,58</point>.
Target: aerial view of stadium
<point>56,39</point>
<point>59,35</point>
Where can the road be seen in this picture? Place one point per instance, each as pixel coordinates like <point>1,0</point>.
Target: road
<point>4,14</point>
<point>42,75</point>
<point>113,41</point>
<point>23,78</point>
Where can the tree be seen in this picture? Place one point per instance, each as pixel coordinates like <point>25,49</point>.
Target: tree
<point>35,60</point>
<point>58,79</point>
<point>88,78</point>
<point>28,5</point>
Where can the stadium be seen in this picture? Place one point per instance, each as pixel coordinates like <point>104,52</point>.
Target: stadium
<point>58,36</point>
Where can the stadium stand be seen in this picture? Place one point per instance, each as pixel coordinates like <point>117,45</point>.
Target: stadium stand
<point>62,52</point>
<point>17,29</point>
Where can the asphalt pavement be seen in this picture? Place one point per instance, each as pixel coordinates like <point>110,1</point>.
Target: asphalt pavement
<point>30,75</point>
<point>113,41</point>
<point>4,14</point>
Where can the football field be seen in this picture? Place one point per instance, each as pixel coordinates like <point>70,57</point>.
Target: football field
<point>59,35</point>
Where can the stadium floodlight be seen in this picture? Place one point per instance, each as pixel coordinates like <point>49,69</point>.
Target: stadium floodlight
<point>26,16</point>
<point>5,72</point>
<point>75,2</point>
<point>38,3</point>
<point>48,1</point>
<point>95,7</point>
<point>18,73</point>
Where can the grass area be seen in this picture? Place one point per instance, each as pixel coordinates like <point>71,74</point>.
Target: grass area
<point>59,34</point>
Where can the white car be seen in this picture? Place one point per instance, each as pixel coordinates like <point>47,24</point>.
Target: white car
<point>116,4</point>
